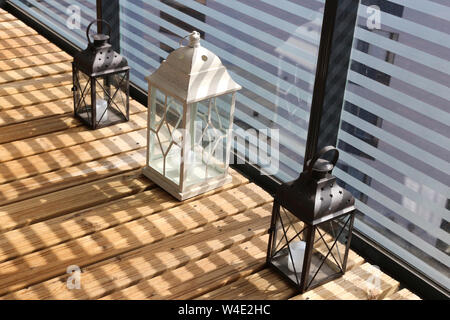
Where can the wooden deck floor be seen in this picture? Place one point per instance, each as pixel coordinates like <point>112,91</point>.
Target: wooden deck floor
<point>71,196</point>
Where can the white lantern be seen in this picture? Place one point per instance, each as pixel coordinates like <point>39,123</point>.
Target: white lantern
<point>190,117</point>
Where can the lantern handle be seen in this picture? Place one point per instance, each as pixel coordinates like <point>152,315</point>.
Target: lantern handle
<point>90,25</point>
<point>320,154</point>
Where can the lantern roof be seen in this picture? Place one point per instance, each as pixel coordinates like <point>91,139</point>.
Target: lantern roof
<point>315,197</point>
<point>99,58</point>
<point>193,73</point>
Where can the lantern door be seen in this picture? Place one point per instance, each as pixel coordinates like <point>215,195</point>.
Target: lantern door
<point>82,96</point>
<point>108,93</point>
<point>165,136</point>
<point>308,255</point>
<point>330,251</point>
<point>209,140</point>
<point>287,246</point>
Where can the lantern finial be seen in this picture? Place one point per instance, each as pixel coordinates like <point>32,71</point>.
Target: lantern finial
<point>194,39</point>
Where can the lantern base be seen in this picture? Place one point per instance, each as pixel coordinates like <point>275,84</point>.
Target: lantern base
<point>191,191</point>
<point>296,281</point>
<point>112,117</point>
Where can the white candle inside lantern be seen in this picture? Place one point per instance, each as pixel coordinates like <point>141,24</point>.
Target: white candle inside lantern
<point>101,107</point>
<point>297,249</point>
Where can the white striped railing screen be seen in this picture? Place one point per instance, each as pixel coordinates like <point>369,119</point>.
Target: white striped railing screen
<point>269,47</point>
<point>394,135</point>
<point>69,18</point>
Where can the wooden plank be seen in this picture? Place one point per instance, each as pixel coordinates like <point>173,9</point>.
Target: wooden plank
<point>7,17</point>
<point>32,61</point>
<point>22,42</point>
<point>36,97</point>
<point>16,32</point>
<point>36,127</point>
<point>29,50</point>
<point>403,294</point>
<point>154,259</point>
<point>30,113</point>
<point>364,288</point>
<point>13,24</point>
<point>35,72</point>
<point>329,291</point>
<point>39,124</point>
<point>362,283</point>
<point>212,280</point>
<point>42,265</point>
<point>199,277</point>
<point>49,206</point>
<point>67,157</point>
<point>71,176</point>
<point>70,137</point>
<point>45,82</point>
<point>77,224</point>
<point>39,208</point>
<point>266,284</point>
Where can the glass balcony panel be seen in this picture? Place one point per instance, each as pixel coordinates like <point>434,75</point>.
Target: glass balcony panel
<point>68,18</point>
<point>394,135</point>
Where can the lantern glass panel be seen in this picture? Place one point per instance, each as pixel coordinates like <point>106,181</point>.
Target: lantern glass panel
<point>165,147</point>
<point>82,95</point>
<point>110,99</point>
<point>328,256</point>
<point>156,156</point>
<point>157,108</point>
<point>207,150</point>
<point>288,245</point>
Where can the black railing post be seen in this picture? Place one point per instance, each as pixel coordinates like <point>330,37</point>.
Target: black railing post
<point>99,15</point>
<point>110,12</point>
<point>338,26</point>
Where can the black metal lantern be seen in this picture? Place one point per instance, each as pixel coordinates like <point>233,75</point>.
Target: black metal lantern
<point>312,221</point>
<point>100,83</point>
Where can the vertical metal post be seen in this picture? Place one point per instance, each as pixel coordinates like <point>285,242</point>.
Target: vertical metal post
<point>335,46</point>
<point>110,12</point>
<point>337,76</point>
<point>93,103</point>
<point>310,232</point>
<point>99,16</point>
<point>349,239</point>
<point>272,230</point>
<point>326,38</point>
<point>128,94</point>
<point>74,88</point>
